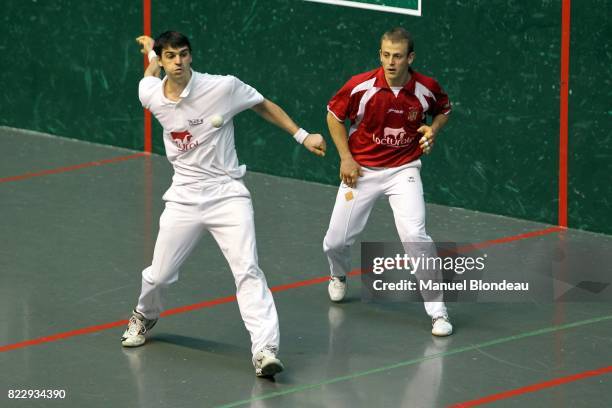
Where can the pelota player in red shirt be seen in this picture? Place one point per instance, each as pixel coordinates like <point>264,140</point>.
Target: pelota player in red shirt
<point>380,155</point>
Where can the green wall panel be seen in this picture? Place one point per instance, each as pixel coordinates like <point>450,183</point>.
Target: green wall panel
<point>78,68</point>
<point>590,130</point>
<point>498,60</point>
<point>411,4</point>
<point>70,69</point>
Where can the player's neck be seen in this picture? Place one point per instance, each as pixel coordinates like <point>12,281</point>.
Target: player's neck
<point>399,81</point>
<point>175,86</point>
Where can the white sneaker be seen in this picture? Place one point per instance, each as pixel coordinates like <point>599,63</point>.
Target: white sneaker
<point>337,288</point>
<point>441,326</point>
<point>137,327</point>
<point>266,363</point>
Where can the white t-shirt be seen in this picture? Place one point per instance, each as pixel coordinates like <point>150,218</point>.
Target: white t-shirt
<point>197,150</point>
<point>396,89</point>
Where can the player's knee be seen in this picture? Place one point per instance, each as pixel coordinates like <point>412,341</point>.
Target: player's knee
<point>410,237</point>
<point>157,279</point>
<point>333,243</point>
<point>249,272</point>
<point>415,235</point>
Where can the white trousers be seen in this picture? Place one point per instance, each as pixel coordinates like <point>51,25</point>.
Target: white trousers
<point>225,210</point>
<point>403,186</point>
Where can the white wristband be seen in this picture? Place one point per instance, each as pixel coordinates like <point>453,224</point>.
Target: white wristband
<point>300,135</point>
<point>151,55</point>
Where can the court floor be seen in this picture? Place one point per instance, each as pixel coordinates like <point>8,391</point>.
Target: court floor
<point>78,225</point>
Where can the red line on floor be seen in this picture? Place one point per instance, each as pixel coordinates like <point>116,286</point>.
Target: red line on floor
<point>309,282</point>
<point>505,240</point>
<point>563,111</point>
<point>148,139</point>
<point>65,335</point>
<point>228,299</point>
<point>533,388</point>
<point>201,305</point>
<point>71,168</point>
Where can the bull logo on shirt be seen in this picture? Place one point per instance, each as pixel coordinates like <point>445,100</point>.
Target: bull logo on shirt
<point>182,140</point>
<point>393,137</point>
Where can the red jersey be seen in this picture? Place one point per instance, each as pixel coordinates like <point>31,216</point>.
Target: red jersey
<point>383,130</point>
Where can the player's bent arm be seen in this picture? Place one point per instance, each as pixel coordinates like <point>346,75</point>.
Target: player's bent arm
<point>438,122</point>
<point>350,170</point>
<point>337,130</point>
<point>430,133</point>
<point>153,69</point>
<point>146,43</point>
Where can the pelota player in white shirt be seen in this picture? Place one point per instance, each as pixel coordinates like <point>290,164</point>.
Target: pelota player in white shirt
<point>207,193</point>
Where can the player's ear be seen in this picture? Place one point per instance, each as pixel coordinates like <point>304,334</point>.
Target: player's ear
<point>411,57</point>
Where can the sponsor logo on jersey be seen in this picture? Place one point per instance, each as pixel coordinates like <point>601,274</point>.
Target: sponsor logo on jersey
<point>412,114</point>
<point>401,112</point>
<point>195,122</point>
<point>182,140</point>
<point>393,137</point>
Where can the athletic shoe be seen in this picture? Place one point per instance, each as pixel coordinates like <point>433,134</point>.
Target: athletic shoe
<point>137,327</point>
<point>266,363</point>
<point>441,326</point>
<point>337,288</point>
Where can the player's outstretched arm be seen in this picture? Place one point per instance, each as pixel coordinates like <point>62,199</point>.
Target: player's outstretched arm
<point>350,170</point>
<point>274,114</point>
<point>146,44</point>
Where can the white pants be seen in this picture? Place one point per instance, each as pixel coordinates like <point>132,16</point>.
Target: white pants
<point>225,210</point>
<point>403,186</point>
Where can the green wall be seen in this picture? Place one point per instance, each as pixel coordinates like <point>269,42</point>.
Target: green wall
<point>590,111</point>
<point>76,69</point>
<point>70,69</point>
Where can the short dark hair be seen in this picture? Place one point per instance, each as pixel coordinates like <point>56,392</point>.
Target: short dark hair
<point>398,34</point>
<point>172,39</point>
